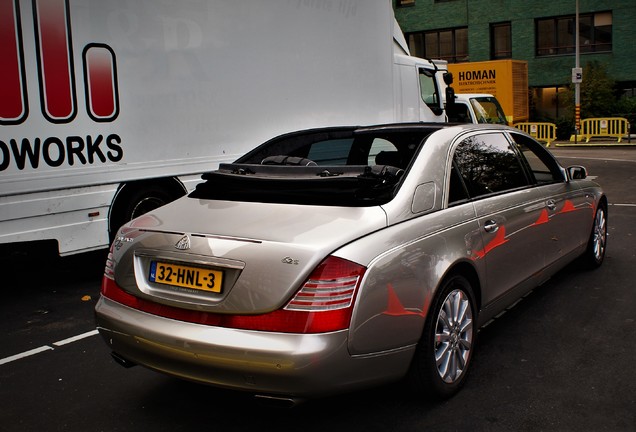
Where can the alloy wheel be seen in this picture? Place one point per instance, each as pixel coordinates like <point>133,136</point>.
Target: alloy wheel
<point>453,336</point>
<point>600,235</point>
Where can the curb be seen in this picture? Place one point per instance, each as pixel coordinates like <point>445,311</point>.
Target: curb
<point>626,141</point>
<point>592,144</point>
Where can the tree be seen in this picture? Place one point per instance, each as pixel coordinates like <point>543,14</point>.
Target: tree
<point>598,93</point>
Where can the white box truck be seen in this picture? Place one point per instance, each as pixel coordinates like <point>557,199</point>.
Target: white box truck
<point>109,108</point>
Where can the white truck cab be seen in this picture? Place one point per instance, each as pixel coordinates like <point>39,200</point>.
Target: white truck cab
<point>476,108</point>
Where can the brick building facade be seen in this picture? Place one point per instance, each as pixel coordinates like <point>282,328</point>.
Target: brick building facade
<point>540,32</point>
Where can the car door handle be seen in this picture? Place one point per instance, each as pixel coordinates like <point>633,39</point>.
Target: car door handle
<point>550,204</point>
<point>491,226</point>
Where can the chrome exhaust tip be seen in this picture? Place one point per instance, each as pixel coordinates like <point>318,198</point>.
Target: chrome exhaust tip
<point>278,401</point>
<point>122,361</point>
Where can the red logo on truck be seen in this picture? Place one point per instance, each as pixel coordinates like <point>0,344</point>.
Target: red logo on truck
<point>56,77</point>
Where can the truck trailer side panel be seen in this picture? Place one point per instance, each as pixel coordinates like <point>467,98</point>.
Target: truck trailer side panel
<point>114,101</point>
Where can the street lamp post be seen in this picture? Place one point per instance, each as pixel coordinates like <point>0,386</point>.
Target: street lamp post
<point>577,77</point>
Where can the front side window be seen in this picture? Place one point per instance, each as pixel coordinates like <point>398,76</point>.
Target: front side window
<point>541,164</point>
<point>429,90</point>
<point>556,35</point>
<point>487,164</point>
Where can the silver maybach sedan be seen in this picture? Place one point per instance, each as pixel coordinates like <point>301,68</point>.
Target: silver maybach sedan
<point>328,260</point>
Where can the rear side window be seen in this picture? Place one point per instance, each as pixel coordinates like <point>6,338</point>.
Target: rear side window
<point>456,190</point>
<point>487,164</point>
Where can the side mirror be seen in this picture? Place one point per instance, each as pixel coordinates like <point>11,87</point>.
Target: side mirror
<point>577,172</point>
<point>451,106</point>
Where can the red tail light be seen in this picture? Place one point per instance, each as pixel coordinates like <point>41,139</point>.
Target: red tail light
<point>331,286</point>
<point>109,269</point>
<point>323,304</point>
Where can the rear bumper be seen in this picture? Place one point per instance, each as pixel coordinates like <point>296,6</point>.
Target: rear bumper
<point>297,365</point>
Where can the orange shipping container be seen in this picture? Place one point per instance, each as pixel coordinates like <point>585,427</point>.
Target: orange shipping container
<point>507,80</point>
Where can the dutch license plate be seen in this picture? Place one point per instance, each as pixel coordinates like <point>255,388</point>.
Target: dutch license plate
<point>197,278</point>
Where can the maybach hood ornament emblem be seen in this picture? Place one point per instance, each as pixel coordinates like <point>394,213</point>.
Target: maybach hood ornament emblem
<point>183,243</point>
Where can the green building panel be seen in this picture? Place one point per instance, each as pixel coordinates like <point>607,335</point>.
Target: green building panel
<point>543,71</point>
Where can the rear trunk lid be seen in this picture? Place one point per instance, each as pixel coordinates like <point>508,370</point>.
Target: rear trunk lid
<point>260,252</point>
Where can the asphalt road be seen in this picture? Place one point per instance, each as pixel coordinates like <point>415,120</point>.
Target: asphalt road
<point>563,359</point>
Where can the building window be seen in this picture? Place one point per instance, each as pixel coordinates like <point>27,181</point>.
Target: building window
<point>450,45</point>
<point>556,35</point>
<point>400,3</point>
<point>500,41</point>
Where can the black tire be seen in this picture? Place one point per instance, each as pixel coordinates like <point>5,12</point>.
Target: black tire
<point>597,244</point>
<point>452,341</point>
<point>144,201</point>
<point>135,200</point>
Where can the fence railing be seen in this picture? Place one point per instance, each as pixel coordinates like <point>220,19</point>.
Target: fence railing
<point>541,131</point>
<point>612,127</point>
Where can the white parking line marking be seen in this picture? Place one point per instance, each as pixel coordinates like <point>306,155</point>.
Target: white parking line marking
<point>75,338</point>
<point>25,354</point>
<point>48,347</point>
<point>623,205</point>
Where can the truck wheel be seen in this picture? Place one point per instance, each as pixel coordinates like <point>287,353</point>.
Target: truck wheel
<point>134,200</point>
<point>442,358</point>
<point>145,201</point>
